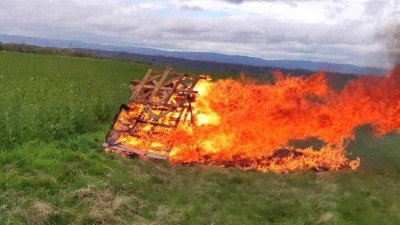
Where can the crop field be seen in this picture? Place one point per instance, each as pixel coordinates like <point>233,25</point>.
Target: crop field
<point>54,115</point>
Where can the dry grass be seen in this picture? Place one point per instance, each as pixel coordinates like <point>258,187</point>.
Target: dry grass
<point>39,212</point>
<point>326,218</point>
<point>106,207</point>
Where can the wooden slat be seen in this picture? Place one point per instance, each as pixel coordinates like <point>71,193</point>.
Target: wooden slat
<point>175,78</point>
<point>125,148</point>
<point>139,87</point>
<point>173,90</point>
<point>159,84</point>
<point>162,114</point>
<point>158,104</point>
<point>157,156</point>
<point>162,149</point>
<point>156,124</point>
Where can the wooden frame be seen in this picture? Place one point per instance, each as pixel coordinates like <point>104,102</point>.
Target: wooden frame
<point>158,104</point>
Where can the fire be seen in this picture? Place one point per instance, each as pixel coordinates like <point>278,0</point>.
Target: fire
<point>251,126</point>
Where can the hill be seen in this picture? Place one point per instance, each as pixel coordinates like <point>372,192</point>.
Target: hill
<point>200,56</point>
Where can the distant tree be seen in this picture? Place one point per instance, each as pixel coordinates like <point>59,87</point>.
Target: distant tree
<point>48,50</point>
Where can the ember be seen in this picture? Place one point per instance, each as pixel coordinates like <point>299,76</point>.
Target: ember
<point>248,125</point>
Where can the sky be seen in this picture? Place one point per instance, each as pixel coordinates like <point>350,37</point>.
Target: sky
<point>339,31</point>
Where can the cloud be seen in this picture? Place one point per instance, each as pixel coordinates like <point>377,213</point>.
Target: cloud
<point>241,1</point>
<point>313,30</point>
<point>234,1</point>
<point>191,8</point>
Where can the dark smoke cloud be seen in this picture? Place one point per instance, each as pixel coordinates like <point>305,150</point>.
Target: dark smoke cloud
<point>395,50</point>
<point>392,35</point>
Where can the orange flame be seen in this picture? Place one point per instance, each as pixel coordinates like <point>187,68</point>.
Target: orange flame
<point>251,126</point>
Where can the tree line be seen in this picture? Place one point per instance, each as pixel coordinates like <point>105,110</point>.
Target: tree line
<point>84,53</point>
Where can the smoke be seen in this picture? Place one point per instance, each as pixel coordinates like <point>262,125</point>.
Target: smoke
<point>394,43</point>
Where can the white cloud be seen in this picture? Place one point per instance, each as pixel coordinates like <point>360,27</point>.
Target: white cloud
<point>337,31</point>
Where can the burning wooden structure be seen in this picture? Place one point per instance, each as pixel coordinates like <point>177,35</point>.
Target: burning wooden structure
<point>158,104</point>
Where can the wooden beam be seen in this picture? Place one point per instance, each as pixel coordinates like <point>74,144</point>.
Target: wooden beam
<point>139,87</point>
<point>159,84</point>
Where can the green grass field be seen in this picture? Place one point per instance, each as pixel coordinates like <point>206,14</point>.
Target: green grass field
<point>55,112</point>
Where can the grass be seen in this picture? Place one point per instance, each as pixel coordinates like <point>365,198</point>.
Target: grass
<point>47,97</point>
<point>58,174</point>
<point>82,185</point>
